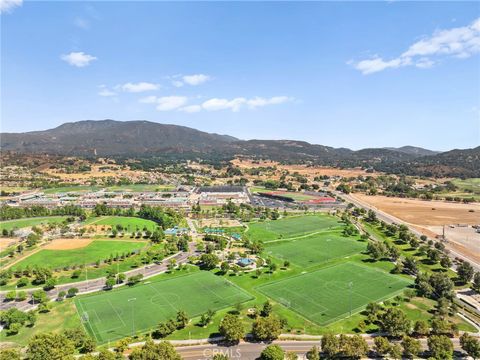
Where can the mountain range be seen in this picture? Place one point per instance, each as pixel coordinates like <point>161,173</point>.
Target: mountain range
<point>142,139</point>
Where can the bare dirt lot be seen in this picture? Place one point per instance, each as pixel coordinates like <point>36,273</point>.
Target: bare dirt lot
<point>67,244</point>
<point>304,170</point>
<point>5,242</point>
<point>420,212</point>
<point>218,223</point>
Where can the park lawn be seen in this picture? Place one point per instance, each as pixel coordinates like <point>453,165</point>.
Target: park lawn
<point>71,189</point>
<point>109,316</point>
<point>315,249</point>
<point>97,250</point>
<point>291,226</point>
<point>129,223</point>
<point>330,294</point>
<point>62,316</point>
<point>28,222</point>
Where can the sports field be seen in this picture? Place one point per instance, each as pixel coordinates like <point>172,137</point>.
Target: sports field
<point>291,226</point>
<point>97,250</point>
<point>316,248</point>
<point>327,295</point>
<point>109,316</point>
<point>22,223</point>
<point>128,223</point>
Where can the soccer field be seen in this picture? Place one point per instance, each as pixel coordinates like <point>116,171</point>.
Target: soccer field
<point>291,226</point>
<point>316,248</point>
<point>327,295</point>
<point>129,223</point>
<point>22,223</point>
<point>112,315</point>
<point>97,250</point>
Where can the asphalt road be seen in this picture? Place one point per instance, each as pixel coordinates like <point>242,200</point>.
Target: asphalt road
<point>99,283</point>
<point>251,351</point>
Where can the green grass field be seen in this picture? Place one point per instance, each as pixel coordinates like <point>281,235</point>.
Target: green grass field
<point>22,223</point>
<point>291,227</point>
<point>71,189</point>
<point>467,188</point>
<point>97,250</point>
<point>141,187</point>
<point>315,249</point>
<point>128,223</point>
<point>324,296</point>
<point>108,316</point>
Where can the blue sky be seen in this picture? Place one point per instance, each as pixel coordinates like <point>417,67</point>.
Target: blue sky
<point>344,74</point>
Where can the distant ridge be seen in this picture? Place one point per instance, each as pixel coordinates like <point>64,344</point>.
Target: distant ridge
<point>142,139</point>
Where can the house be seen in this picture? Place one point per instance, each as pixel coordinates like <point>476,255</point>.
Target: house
<point>244,262</point>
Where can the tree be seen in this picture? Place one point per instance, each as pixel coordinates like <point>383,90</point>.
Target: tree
<point>50,346</point>
<point>209,261</point>
<point>330,345</point>
<point>352,347</point>
<point>10,354</point>
<point>470,345</point>
<point>394,322</point>
<point>272,352</point>
<point>72,292</point>
<point>11,295</point>
<point>440,347</point>
<point>267,309</point>
<point>476,282</point>
<point>182,319</point>
<point>421,328</point>
<point>220,357</point>
<point>441,285</point>
<point>151,351</point>
<point>267,328</point>
<point>411,347</point>
<point>313,353</point>
<point>231,328</point>
<point>224,266</point>
<point>395,352</point>
<point>39,297</point>
<point>109,283</point>
<point>465,272</point>
<point>381,345</point>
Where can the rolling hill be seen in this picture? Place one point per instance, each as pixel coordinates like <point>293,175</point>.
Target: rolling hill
<point>145,139</point>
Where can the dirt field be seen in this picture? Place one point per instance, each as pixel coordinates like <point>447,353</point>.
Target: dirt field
<point>419,212</point>
<point>5,242</point>
<point>218,223</point>
<point>67,244</point>
<point>304,170</point>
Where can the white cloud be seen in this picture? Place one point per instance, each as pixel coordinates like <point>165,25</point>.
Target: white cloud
<point>138,87</point>
<point>177,83</point>
<point>236,104</point>
<point>191,108</point>
<point>6,6</point>
<point>195,79</point>
<point>259,101</point>
<point>224,104</point>
<point>149,100</point>
<point>105,91</point>
<point>461,42</point>
<point>168,103</point>
<point>165,103</point>
<point>78,59</point>
<point>81,23</point>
